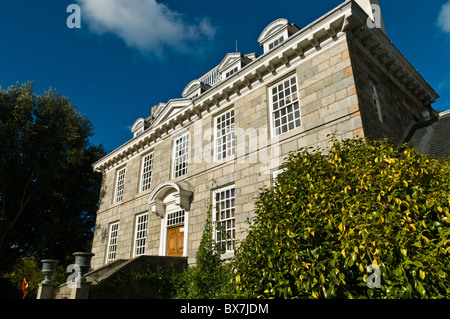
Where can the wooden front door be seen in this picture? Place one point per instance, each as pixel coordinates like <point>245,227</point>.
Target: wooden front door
<point>175,241</point>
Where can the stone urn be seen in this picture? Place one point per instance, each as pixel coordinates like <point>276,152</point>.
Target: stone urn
<point>83,260</point>
<point>48,269</point>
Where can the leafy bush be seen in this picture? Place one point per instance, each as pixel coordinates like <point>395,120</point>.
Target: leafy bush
<point>30,269</point>
<point>146,284</point>
<point>336,219</point>
<point>27,268</point>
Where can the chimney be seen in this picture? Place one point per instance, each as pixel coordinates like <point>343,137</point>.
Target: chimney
<point>372,8</point>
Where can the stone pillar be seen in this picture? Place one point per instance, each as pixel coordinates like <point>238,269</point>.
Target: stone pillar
<point>83,260</point>
<point>45,291</point>
<point>81,289</point>
<point>46,286</point>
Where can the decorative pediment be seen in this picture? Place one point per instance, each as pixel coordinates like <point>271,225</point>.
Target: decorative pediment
<point>232,63</point>
<point>229,60</point>
<point>179,191</point>
<point>276,32</point>
<point>194,88</point>
<point>273,28</point>
<point>171,109</point>
<point>191,88</point>
<point>157,109</point>
<point>139,126</point>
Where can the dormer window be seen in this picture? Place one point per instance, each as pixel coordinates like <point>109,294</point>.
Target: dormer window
<point>229,66</point>
<point>232,63</point>
<point>231,72</point>
<point>276,42</point>
<point>194,89</point>
<point>275,33</point>
<point>136,134</point>
<point>139,127</point>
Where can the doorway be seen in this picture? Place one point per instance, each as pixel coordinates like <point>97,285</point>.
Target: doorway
<point>173,229</point>
<point>175,241</point>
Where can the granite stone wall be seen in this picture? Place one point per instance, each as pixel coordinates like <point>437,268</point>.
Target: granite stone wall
<point>329,104</point>
<point>398,109</point>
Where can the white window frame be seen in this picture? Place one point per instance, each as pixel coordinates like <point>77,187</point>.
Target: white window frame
<point>146,171</point>
<point>225,140</point>
<point>231,72</point>
<point>276,42</point>
<point>111,251</point>
<point>229,219</point>
<point>140,234</point>
<point>139,132</point>
<point>120,185</point>
<point>175,217</point>
<point>376,101</point>
<point>291,101</point>
<point>180,159</point>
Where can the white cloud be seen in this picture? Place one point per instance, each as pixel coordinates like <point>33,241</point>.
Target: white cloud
<point>444,18</point>
<point>145,25</point>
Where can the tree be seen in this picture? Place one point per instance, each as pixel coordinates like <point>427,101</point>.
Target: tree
<point>29,269</point>
<point>48,190</point>
<point>338,223</point>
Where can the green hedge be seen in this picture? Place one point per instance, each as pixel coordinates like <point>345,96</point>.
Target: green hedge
<point>337,221</point>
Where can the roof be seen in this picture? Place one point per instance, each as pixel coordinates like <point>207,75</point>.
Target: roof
<point>306,42</point>
<point>272,28</point>
<point>433,139</point>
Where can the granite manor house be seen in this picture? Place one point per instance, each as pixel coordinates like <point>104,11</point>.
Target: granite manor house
<point>212,149</point>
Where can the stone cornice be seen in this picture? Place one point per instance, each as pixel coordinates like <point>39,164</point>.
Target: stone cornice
<point>383,52</point>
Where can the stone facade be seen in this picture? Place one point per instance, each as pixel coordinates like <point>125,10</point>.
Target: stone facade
<point>332,68</point>
<point>399,110</point>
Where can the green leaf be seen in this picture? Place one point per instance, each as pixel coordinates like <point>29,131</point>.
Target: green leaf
<point>421,290</point>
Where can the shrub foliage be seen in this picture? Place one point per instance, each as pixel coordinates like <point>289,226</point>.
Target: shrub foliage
<point>210,277</point>
<point>336,221</point>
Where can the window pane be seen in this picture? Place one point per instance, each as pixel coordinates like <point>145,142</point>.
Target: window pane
<point>225,232</point>
<point>175,218</point>
<point>120,185</point>
<point>112,242</point>
<point>286,110</point>
<point>141,234</point>
<point>224,135</point>
<point>181,155</point>
<point>146,177</point>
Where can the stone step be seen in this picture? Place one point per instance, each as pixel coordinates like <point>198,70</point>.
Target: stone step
<point>97,279</point>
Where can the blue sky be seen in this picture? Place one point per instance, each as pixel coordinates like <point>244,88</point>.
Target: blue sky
<point>129,55</point>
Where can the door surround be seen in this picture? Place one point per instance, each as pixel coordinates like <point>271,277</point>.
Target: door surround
<point>166,198</point>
